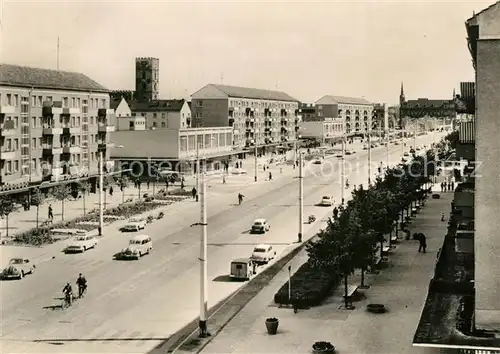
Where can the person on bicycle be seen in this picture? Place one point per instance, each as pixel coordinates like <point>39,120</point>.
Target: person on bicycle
<point>81,282</point>
<point>68,293</point>
<point>240,198</point>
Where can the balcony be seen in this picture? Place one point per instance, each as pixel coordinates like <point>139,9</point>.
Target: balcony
<point>71,110</point>
<point>103,128</point>
<point>49,111</point>
<point>7,109</point>
<point>71,130</point>
<point>466,141</point>
<point>52,131</point>
<point>71,149</point>
<point>49,150</point>
<point>8,132</point>
<point>103,112</point>
<point>8,155</point>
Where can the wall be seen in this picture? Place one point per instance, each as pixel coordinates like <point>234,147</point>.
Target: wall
<point>138,123</point>
<point>123,109</point>
<point>161,119</point>
<point>213,113</point>
<point>161,143</point>
<point>487,240</point>
<point>205,141</point>
<point>311,130</point>
<point>327,111</point>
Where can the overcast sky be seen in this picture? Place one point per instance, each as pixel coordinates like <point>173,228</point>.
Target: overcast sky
<point>305,48</point>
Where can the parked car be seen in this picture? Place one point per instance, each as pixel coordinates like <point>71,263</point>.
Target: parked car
<point>81,244</point>
<point>18,268</point>
<point>238,171</point>
<point>263,254</point>
<point>260,226</point>
<point>365,146</point>
<point>326,201</point>
<point>134,224</point>
<point>406,154</point>
<point>317,162</point>
<point>350,152</point>
<point>241,269</point>
<point>138,246</point>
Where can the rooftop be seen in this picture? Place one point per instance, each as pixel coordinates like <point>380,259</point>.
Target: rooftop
<point>157,106</point>
<point>252,93</point>
<point>427,103</point>
<point>329,99</point>
<point>24,76</point>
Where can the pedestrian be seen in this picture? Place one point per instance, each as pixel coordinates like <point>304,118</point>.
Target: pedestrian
<point>449,186</point>
<point>270,176</point>
<point>51,213</point>
<point>335,212</point>
<point>223,179</point>
<point>194,192</point>
<point>422,243</point>
<point>264,167</point>
<point>166,184</point>
<point>442,216</point>
<point>442,186</point>
<point>147,185</point>
<point>110,191</point>
<point>452,186</point>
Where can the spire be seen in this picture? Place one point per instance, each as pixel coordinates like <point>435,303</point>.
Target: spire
<point>402,89</point>
<point>402,98</point>
<point>454,94</point>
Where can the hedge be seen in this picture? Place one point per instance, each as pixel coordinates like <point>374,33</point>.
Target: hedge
<point>310,287</point>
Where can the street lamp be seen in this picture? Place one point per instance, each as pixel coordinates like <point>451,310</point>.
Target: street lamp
<point>369,155</point>
<point>301,199</point>
<point>342,169</point>
<point>203,259</point>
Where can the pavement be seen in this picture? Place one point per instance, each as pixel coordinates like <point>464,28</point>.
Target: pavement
<point>131,307</point>
<point>401,287</point>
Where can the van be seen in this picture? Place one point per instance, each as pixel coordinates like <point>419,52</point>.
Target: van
<point>138,246</point>
<point>242,269</point>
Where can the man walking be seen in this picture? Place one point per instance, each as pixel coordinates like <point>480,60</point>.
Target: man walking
<point>194,193</point>
<point>51,213</point>
<point>422,243</point>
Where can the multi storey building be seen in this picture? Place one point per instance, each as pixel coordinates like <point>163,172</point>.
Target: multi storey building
<point>424,107</point>
<point>462,311</point>
<point>259,118</point>
<point>53,125</point>
<point>147,79</point>
<point>355,114</point>
<point>322,129</point>
<point>163,114</point>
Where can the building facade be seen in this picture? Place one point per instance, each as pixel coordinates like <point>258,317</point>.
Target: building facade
<point>163,114</point>
<point>424,107</point>
<point>354,114</point>
<point>53,125</point>
<point>175,149</point>
<point>259,118</point>
<point>147,79</point>
<point>308,112</point>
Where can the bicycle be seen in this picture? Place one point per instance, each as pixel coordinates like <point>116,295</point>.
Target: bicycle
<point>67,301</point>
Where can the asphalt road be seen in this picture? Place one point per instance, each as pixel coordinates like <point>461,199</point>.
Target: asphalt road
<point>132,305</point>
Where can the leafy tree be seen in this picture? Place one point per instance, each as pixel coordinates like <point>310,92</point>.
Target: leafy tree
<point>6,208</point>
<point>84,186</point>
<point>62,193</point>
<point>37,199</point>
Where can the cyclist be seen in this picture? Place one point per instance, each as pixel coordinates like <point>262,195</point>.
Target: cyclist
<point>68,294</point>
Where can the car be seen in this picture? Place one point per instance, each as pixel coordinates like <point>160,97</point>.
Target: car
<point>396,143</point>
<point>350,152</point>
<point>317,162</point>
<point>404,159</point>
<point>365,147</point>
<point>406,154</point>
<point>18,268</point>
<point>81,244</point>
<point>326,201</point>
<point>260,226</point>
<point>418,148</point>
<point>262,254</point>
<point>134,224</point>
<point>238,171</point>
<point>138,246</point>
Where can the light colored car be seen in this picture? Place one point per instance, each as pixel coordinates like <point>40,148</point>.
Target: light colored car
<point>263,254</point>
<point>134,224</point>
<point>238,171</point>
<point>350,152</point>
<point>81,244</point>
<point>260,226</point>
<point>138,246</point>
<point>326,201</point>
<point>18,268</point>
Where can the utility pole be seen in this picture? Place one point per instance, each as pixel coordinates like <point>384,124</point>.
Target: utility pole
<point>57,53</point>
<point>342,170</point>
<point>101,195</point>
<point>255,163</point>
<point>301,200</point>
<point>203,259</point>
<point>387,148</point>
<point>369,156</point>
<point>197,163</point>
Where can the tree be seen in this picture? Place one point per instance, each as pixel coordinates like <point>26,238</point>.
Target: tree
<point>37,199</point>
<point>61,193</point>
<point>123,182</point>
<point>6,208</point>
<point>84,187</point>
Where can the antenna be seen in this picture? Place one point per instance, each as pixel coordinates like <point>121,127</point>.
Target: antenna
<point>57,53</point>
<point>221,77</point>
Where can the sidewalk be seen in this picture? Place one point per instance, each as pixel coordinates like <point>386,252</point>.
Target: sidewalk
<point>401,286</point>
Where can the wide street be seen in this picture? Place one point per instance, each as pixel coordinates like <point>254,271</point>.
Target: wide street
<point>132,306</point>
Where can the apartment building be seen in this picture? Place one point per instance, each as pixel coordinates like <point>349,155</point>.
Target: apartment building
<point>355,114</point>
<point>317,127</point>
<point>260,118</point>
<point>125,120</point>
<point>163,114</point>
<point>53,125</point>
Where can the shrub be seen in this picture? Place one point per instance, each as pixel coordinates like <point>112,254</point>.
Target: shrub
<point>180,192</point>
<point>310,287</point>
<point>34,237</point>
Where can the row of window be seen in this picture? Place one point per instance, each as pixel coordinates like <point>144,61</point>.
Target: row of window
<point>14,166</point>
<point>205,141</point>
<point>39,122</point>
<point>47,142</point>
<point>255,104</point>
<point>37,101</point>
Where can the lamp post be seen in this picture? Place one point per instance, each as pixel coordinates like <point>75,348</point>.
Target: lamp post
<point>369,156</point>
<point>301,199</point>
<point>203,259</point>
<point>342,170</point>
<point>101,194</point>
<point>387,147</point>
<point>255,163</point>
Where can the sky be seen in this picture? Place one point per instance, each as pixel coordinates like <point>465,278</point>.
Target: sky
<point>305,48</point>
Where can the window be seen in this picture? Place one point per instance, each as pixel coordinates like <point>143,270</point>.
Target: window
<point>16,144</point>
<point>130,125</point>
<point>16,100</point>
<point>65,102</point>
<point>183,143</point>
<point>33,143</point>
<point>199,115</point>
<point>103,103</point>
<point>78,102</point>
<point>155,115</point>
<point>33,101</point>
<point>9,99</point>
<point>163,115</point>
<point>16,165</point>
<point>154,125</point>
<point>163,124</point>
<point>49,98</point>
<point>199,103</point>
<point>40,101</point>
<point>33,122</point>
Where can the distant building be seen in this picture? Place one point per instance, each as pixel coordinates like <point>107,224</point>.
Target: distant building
<point>424,107</point>
<point>261,118</point>
<point>121,107</point>
<point>318,128</point>
<point>163,114</point>
<point>128,95</point>
<point>125,120</point>
<point>53,125</point>
<point>466,102</point>
<point>147,79</point>
<point>308,112</point>
<point>353,114</point>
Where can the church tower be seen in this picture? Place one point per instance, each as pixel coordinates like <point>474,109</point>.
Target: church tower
<point>402,98</point>
<point>147,79</point>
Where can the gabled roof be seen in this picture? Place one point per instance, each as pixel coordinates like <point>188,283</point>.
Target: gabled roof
<point>114,103</point>
<point>329,99</point>
<point>157,106</point>
<point>475,16</point>
<point>24,76</point>
<point>253,93</point>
